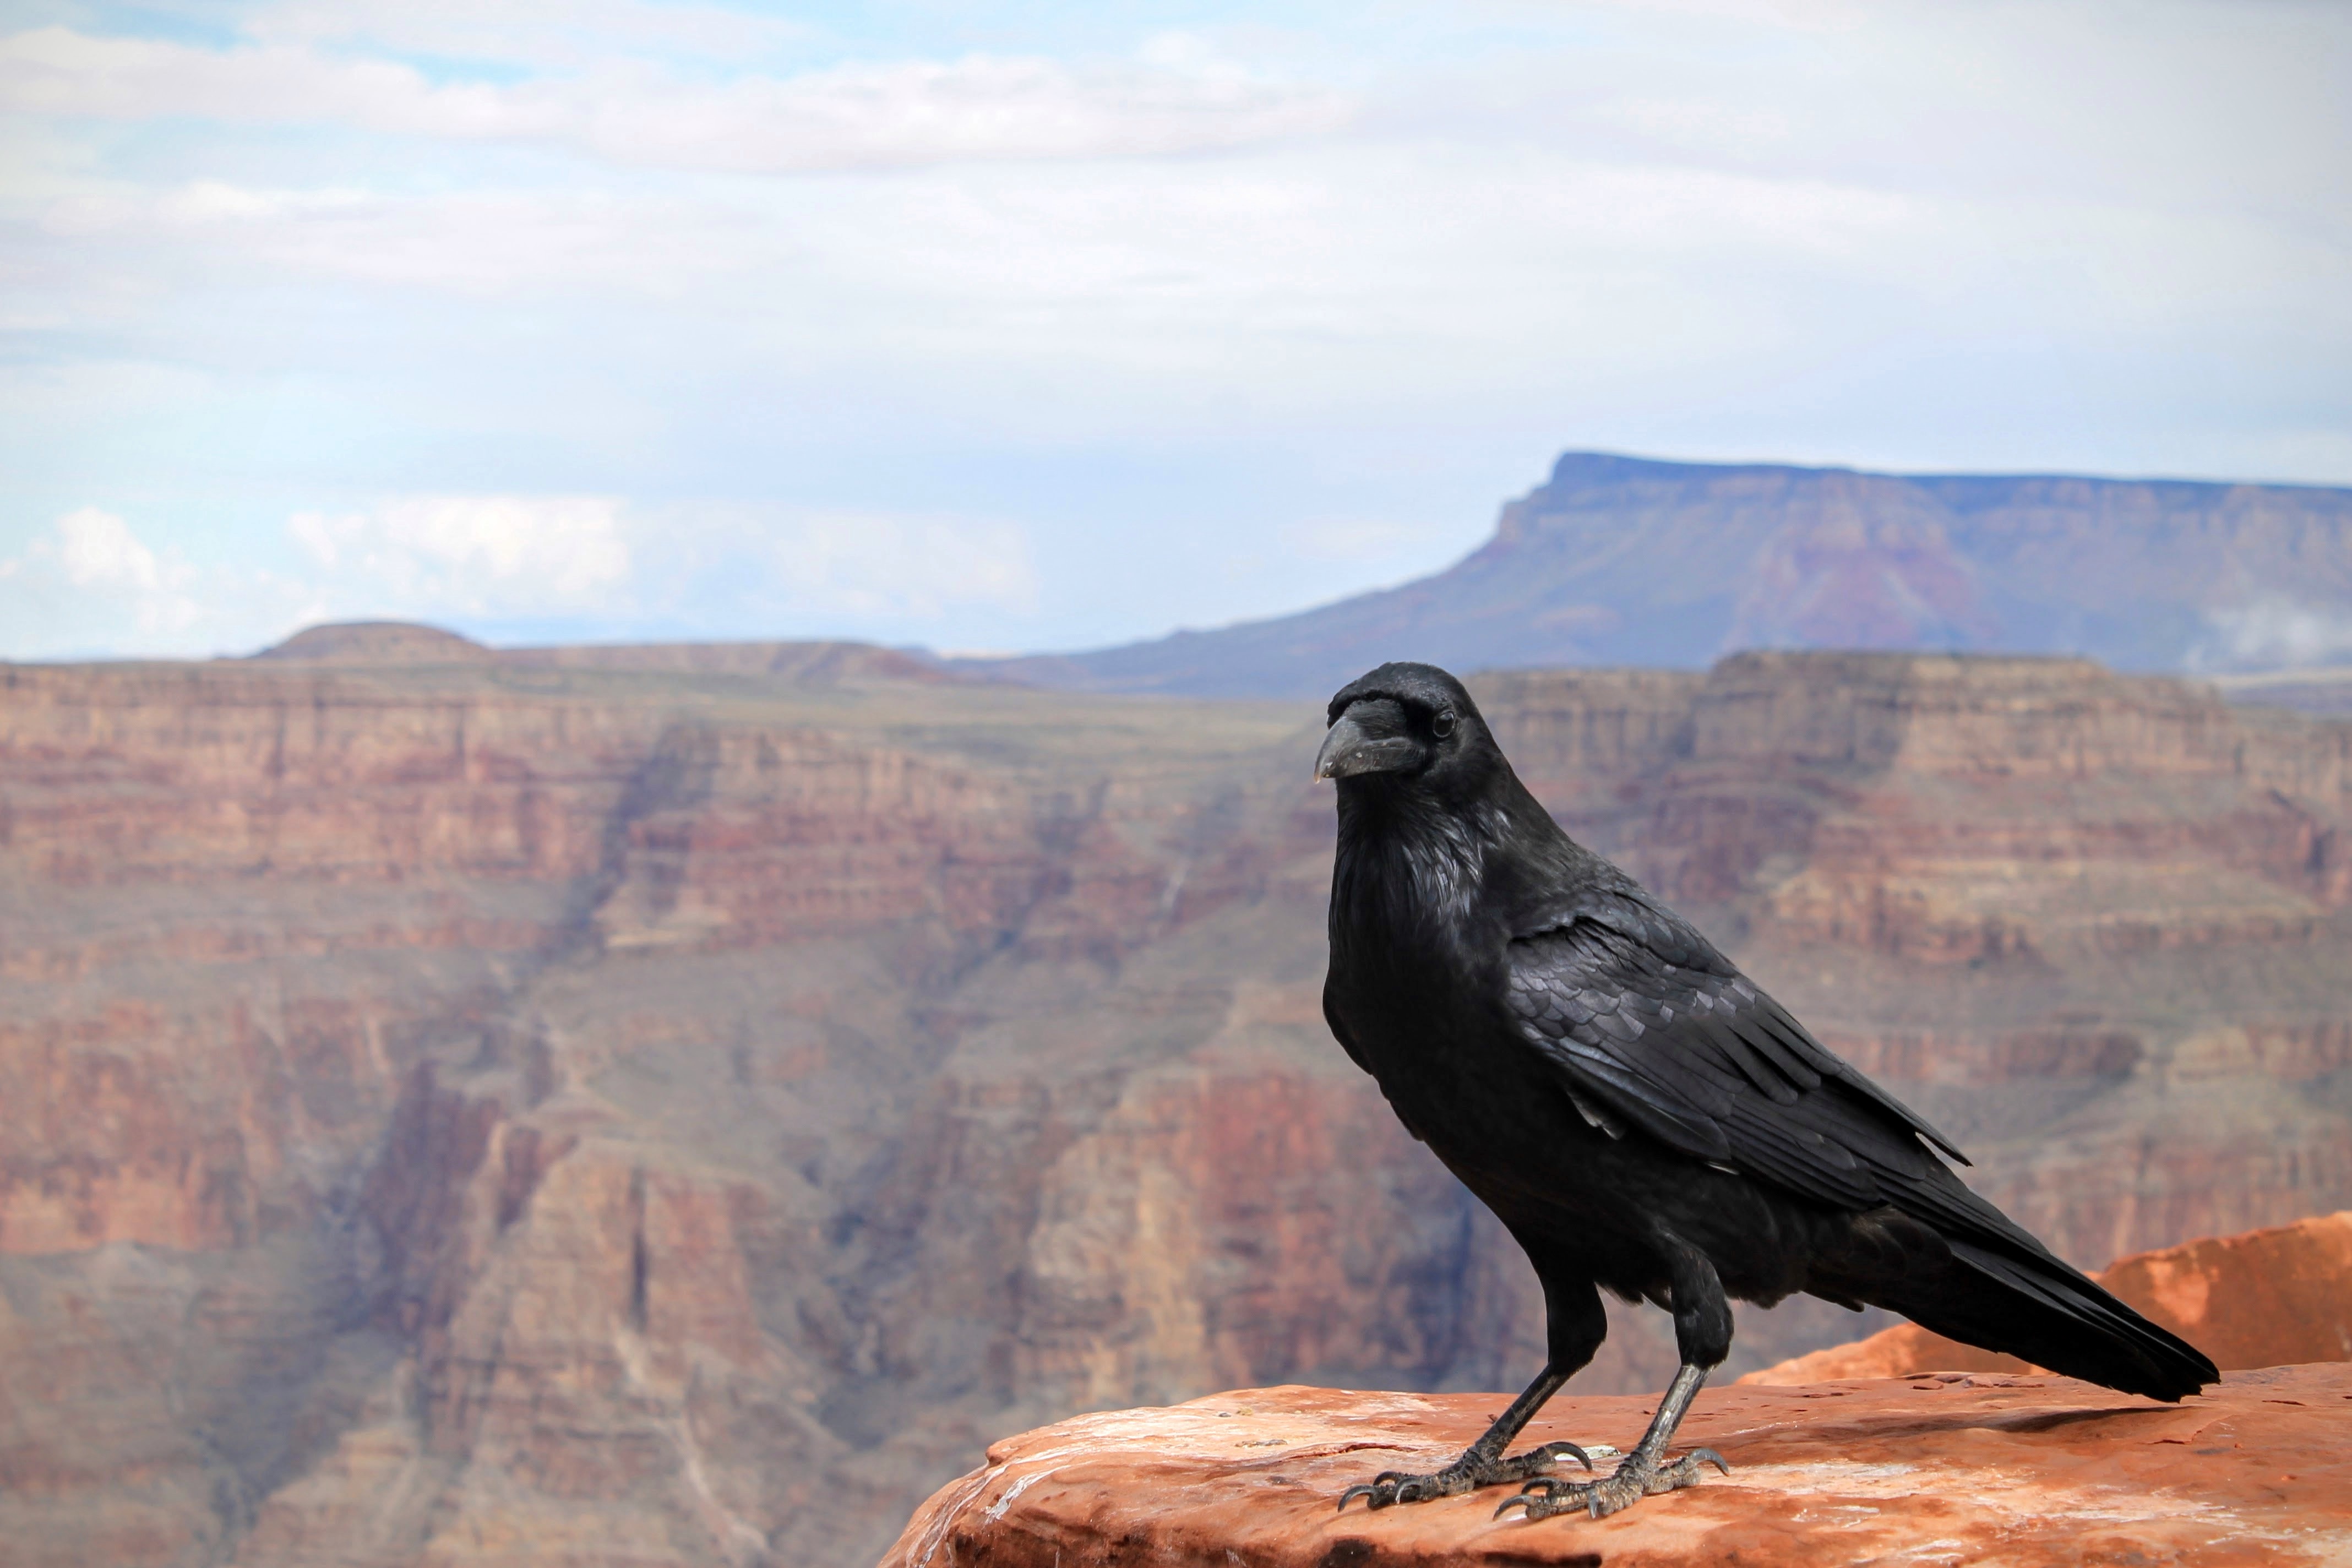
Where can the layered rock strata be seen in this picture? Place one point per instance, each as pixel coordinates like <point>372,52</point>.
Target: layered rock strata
<point>470,1110</point>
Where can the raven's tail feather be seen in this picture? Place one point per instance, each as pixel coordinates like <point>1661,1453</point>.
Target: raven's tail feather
<point>2041,1311</point>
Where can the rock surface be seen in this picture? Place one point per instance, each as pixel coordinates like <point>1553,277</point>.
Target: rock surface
<point>2283,1294</point>
<point>480,1109</point>
<point>1956,1470</point>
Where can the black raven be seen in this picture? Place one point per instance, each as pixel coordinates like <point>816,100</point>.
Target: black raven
<point>1641,1116</point>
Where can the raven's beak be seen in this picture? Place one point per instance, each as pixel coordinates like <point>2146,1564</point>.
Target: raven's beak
<point>1370,737</point>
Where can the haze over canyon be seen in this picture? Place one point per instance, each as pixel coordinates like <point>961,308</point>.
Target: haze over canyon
<point>680,1104</point>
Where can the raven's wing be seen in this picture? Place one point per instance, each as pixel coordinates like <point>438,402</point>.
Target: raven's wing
<point>1655,1031</point>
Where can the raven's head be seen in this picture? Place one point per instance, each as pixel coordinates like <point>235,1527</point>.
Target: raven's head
<point>1409,725</point>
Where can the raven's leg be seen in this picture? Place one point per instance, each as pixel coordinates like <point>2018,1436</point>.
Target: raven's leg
<point>1702,1335</point>
<point>1639,1474</point>
<point>1574,1326</point>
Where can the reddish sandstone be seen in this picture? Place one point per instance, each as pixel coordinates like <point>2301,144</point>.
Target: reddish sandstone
<point>1960,1468</point>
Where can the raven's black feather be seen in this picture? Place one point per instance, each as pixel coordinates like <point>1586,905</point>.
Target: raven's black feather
<point>1626,1101</point>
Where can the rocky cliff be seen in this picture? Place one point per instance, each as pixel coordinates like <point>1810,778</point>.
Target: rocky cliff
<point>1902,1448</point>
<point>1626,561</point>
<point>1951,1469</point>
<point>595,1110</point>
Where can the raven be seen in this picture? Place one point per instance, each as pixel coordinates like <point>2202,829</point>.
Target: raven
<point>1642,1117</point>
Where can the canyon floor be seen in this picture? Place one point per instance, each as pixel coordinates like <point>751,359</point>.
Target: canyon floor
<point>603,1107</point>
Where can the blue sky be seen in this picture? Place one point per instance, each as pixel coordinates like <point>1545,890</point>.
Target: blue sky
<point>1046,326</point>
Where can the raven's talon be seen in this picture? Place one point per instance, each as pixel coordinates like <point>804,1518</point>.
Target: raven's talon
<point>1683,1472</point>
<point>1544,1497</point>
<point>1540,1497</point>
<point>1629,1485</point>
<point>1465,1474</point>
<point>1382,1489</point>
<point>1551,1453</point>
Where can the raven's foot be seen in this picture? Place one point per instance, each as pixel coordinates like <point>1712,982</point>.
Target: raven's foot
<point>1634,1478</point>
<point>1468,1473</point>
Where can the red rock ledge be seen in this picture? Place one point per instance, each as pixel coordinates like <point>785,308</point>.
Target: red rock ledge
<point>1974,1469</point>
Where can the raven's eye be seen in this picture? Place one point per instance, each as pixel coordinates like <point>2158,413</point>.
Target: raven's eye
<point>1442,725</point>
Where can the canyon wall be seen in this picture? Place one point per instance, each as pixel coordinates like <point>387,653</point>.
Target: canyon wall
<point>574,1108</point>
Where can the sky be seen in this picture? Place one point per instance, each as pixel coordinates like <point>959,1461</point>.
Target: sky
<point>996,326</point>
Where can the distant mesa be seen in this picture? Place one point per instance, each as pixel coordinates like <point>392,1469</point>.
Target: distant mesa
<point>378,642</point>
<point>2326,689</point>
<point>398,643</point>
<point>807,662</point>
<point>1628,561</point>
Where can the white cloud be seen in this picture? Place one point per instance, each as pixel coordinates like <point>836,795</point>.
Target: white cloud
<point>98,550</point>
<point>980,107</point>
<point>901,567</point>
<point>511,565</point>
<point>2274,632</point>
<point>1913,235</point>
<point>89,581</point>
<point>474,555</point>
<point>55,71</point>
<point>90,585</point>
<point>1811,14</point>
<point>528,558</point>
<point>462,242</point>
<point>697,570</point>
<point>533,32</point>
